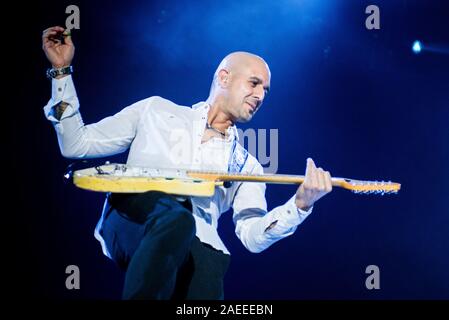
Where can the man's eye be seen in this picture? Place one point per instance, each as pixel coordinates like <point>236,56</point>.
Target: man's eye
<point>254,84</point>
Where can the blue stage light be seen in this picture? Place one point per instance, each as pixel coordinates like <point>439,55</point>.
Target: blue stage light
<point>417,46</point>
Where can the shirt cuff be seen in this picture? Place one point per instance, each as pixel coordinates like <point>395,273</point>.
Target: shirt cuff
<point>290,216</point>
<point>62,90</point>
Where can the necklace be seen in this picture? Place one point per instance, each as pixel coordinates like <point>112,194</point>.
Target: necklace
<point>208,126</point>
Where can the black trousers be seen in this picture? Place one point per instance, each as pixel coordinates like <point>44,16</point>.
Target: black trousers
<point>151,236</point>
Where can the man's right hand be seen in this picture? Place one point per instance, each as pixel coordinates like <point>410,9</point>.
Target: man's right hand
<point>58,53</point>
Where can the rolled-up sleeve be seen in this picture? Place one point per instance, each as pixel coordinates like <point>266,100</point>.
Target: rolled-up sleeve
<point>107,137</point>
<point>256,228</point>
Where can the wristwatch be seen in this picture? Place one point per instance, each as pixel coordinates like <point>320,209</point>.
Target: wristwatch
<point>54,72</point>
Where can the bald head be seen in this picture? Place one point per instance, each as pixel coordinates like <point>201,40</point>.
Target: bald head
<point>240,61</point>
<point>240,83</point>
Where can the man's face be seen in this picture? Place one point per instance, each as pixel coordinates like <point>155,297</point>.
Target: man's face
<point>248,86</point>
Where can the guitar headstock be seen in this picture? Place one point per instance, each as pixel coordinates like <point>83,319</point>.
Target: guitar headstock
<point>370,187</point>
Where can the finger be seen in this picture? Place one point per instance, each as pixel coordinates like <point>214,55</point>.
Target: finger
<point>309,167</point>
<point>52,34</point>
<point>307,174</point>
<point>328,181</point>
<point>52,43</point>
<point>312,174</point>
<point>321,179</point>
<point>48,41</point>
<point>49,37</point>
<point>55,28</point>
<point>49,33</point>
<point>310,163</point>
<point>67,37</point>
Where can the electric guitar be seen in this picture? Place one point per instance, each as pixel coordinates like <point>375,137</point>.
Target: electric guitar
<point>122,178</point>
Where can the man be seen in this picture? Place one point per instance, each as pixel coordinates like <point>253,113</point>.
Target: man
<point>169,246</point>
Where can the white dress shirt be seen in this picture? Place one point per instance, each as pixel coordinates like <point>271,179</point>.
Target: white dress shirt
<point>161,134</point>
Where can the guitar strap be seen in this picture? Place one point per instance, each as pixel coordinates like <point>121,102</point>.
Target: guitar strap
<point>238,158</point>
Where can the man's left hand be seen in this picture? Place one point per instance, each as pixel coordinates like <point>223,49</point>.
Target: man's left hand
<point>317,183</point>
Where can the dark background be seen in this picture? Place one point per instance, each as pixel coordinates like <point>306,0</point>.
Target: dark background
<point>358,101</point>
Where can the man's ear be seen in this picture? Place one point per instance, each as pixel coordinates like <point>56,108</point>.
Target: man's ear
<point>223,78</point>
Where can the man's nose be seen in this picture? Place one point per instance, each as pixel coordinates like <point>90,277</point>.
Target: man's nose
<point>259,93</point>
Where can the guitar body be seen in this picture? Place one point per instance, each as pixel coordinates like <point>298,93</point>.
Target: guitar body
<point>115,178</point>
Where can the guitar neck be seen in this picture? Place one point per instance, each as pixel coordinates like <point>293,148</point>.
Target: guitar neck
<point>266,178</point>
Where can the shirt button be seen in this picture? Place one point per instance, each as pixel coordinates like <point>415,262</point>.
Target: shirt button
<point>59,89</point>
<point>288,211</point>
